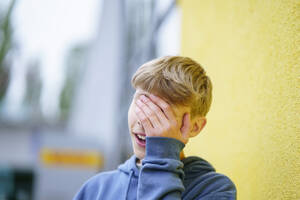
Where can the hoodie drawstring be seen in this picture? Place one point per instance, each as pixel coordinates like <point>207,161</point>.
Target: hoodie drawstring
<point>127,190</point>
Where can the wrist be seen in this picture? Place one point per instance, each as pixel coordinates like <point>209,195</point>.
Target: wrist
<point>163,147</point>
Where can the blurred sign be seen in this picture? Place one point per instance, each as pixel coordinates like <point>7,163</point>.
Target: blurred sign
<point>62,157</point>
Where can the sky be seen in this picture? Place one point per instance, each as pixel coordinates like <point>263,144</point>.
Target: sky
<point>45,31</point>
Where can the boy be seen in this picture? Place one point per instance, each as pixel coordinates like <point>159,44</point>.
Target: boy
<point>173,95</point>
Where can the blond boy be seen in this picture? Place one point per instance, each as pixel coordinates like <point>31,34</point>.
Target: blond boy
<point>173,95</point>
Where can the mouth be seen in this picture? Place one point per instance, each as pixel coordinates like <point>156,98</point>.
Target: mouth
<point>140,139</point>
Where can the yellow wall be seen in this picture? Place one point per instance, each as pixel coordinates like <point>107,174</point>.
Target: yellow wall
<point>250,49</point>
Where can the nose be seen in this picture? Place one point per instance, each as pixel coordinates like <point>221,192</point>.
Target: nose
<point>139,123</point>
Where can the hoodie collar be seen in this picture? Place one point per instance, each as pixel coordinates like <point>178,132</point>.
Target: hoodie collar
<point>130,165</point>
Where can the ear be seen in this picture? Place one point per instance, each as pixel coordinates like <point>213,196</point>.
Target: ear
<point>197,125</point>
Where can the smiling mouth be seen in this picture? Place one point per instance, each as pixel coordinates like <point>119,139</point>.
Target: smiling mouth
<point>140,139</point>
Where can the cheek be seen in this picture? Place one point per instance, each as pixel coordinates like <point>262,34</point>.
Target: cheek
<point>131,115</point>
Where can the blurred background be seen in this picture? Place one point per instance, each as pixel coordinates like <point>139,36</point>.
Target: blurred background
<point>65,70</point>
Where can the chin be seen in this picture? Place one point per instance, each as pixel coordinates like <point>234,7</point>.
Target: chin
<point>140,154</point>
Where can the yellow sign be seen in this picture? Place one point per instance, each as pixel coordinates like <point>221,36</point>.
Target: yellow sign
<point>76,158</point>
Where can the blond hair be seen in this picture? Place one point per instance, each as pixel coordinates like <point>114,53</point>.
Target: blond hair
<point>178,80</point>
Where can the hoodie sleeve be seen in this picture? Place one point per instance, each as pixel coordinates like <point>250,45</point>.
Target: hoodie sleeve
<point>161,176</point>
<point>162,171</point>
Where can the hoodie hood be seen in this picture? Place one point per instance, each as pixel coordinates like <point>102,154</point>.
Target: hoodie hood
<point>193,166</point>
<point>196,166</point>
<point>161,176</point>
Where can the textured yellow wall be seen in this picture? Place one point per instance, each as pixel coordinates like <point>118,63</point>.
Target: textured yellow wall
<point>250,49</point>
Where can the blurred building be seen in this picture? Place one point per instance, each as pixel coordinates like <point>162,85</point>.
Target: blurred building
<point>65,86</point>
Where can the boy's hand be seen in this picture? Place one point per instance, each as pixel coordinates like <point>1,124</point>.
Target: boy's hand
<point>158,119</point>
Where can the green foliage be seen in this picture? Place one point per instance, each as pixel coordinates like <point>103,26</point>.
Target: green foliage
<point>74,63</point>
<point>5,47</point>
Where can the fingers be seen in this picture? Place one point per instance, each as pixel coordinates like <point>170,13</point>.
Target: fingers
<point>165,107</point>
<point>155,109</point>
<point>150,114</point>
<point>143,119</point>
<point>158,119</point>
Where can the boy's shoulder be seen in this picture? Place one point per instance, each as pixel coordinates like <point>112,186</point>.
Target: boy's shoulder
<point>98,179</point>
<point>102,176</point>
<point>202,177</point>
<point>97,184</point>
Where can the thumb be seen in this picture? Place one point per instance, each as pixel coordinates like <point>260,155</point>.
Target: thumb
<point>185,127</point>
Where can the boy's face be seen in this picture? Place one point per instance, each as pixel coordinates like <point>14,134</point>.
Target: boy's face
<point>137,131</point>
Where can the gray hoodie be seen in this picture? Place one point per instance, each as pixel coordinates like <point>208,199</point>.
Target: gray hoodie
<point>162,176</point>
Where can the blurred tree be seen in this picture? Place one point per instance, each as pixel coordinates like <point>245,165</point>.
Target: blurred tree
<point>33,90</point>
<point>74,62</point>
<point>5,47</point>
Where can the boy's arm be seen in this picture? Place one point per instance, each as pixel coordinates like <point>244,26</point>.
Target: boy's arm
<point>162,171</point>
<point>162,175</point>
